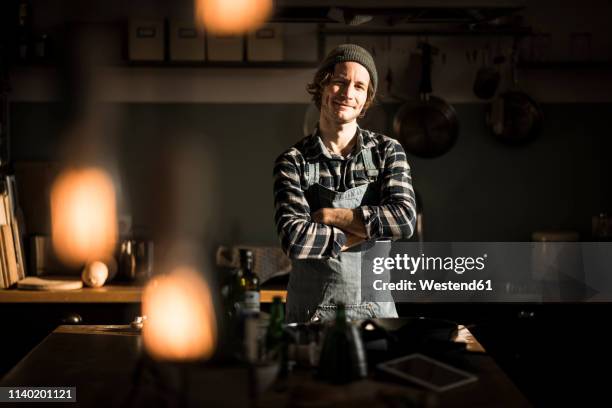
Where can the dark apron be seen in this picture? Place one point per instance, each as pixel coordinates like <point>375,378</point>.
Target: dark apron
<point>316,286</point>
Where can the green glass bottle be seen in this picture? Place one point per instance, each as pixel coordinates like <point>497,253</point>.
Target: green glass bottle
<point>342,355</point>
<point>274,333</point>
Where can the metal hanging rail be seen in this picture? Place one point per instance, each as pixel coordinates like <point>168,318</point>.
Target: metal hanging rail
<point>515,32</point>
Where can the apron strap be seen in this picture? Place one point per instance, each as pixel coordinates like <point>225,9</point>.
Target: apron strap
<point>312,174</point>
<point>371,169</point>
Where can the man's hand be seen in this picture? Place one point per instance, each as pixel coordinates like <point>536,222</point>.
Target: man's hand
<point>348,220</point>
<point>351,241</point>
<point>322,216</point>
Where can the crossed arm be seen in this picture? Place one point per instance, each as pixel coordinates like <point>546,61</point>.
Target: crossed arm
<point>326,232</point>
<point>348,220</point>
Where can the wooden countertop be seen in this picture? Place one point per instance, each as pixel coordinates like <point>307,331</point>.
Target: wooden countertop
<point>105,294</point>
<point>103,362</point>
<point>113,293</point>
<point>463,333</point>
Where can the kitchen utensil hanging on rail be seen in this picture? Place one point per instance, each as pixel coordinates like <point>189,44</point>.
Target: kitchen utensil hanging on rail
<point>514,117</point>
<point>487,77</point>
<point>427,127</point>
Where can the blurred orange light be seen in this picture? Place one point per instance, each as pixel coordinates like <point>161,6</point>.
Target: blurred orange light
<point>83,215</point>
<point>232,16</point>
<point>181,323</point>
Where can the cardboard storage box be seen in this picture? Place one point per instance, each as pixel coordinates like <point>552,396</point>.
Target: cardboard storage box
<point>300,42</point>
<point>224,47</point>
<point>186,41</point>
<point>146,40</point>
<point>266,43</point>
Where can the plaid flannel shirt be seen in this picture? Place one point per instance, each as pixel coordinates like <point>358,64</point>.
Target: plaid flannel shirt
<point>393,218</point>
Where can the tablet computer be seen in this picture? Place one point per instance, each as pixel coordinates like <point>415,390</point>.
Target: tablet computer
<point>427,372</point>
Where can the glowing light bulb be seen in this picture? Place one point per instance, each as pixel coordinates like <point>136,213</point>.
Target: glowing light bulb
<point>232,16</point>
<point>83,215</point>
<point>181,323</point>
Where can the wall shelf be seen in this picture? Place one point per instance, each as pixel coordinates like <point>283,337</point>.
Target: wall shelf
<point>566,65</point>
<point>222,64</point>
<point>48,66</point>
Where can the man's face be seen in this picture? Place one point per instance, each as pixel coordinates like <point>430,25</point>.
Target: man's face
<point>344,96</point>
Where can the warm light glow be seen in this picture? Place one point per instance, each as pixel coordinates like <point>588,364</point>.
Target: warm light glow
<point>181,323</point>
<point>232,16</point>
<point>83,215</point>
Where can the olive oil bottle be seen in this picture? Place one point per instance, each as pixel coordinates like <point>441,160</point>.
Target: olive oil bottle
<point>247,285</point>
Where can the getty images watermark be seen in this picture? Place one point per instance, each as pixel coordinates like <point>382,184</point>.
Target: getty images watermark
<point>487,272</point>
<point>414,264</point>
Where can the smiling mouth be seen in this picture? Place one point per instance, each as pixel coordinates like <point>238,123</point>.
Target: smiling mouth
<point>342,105</point>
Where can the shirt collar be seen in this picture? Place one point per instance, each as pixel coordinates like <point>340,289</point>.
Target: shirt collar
<point>315,146</point>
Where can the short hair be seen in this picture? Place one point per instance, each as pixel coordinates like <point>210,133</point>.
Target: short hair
<point>321,80</point>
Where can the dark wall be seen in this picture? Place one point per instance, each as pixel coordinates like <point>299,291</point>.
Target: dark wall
<point>480,190</point>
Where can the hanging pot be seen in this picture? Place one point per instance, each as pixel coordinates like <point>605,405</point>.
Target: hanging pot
<point>429,126</point>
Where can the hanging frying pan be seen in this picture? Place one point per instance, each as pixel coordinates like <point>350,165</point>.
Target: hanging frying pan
<point>429,126</point>
<point>514,117</point>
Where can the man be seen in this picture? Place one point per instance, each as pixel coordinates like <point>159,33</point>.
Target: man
<point>339,190</point>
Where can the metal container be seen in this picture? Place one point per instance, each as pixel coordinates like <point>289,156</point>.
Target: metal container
<point>43,261</point>
<point>135,260</point>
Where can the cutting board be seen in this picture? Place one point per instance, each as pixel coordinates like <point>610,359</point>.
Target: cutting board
<point>35,283</point>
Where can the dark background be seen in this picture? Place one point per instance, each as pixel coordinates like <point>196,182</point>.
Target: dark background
<point>236,121</point>
<point>481,190</point>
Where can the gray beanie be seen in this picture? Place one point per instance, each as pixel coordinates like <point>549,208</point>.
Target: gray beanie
<point>355,53</point>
